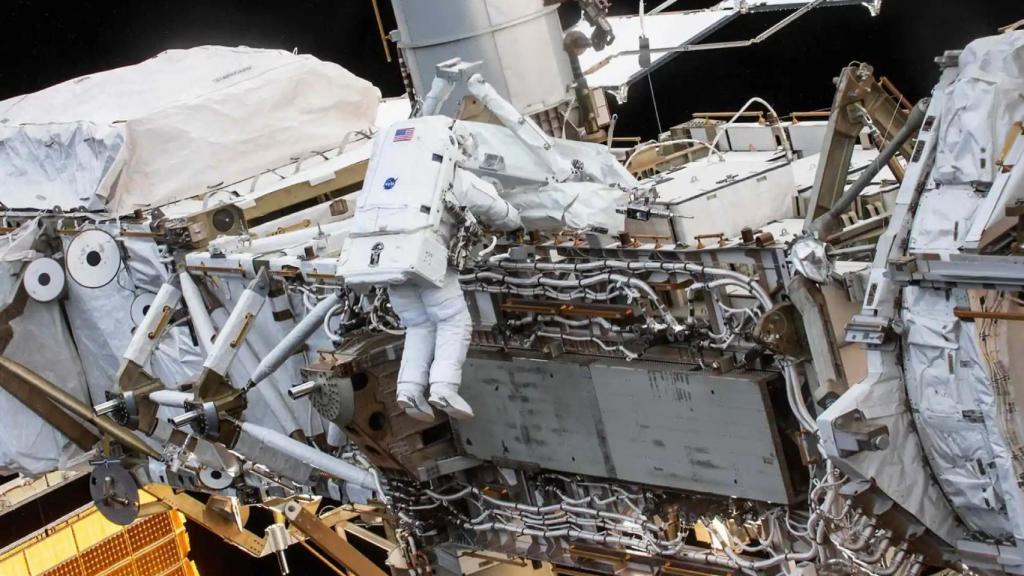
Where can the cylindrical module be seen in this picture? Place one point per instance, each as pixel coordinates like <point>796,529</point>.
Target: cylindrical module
<point>235,329</point>
<point>295,338</point>
<point>315,458</point>
<point>172,398</point>
<point>157,319</point>
<point>197,312</point>
<point>519,44</point>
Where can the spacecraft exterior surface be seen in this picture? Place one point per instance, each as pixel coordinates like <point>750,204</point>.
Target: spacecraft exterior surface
<point>751,345</point>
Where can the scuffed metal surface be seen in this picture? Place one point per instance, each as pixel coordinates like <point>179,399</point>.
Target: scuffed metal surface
<point>648,423</point>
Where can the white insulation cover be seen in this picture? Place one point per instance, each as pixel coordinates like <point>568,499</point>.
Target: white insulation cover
<point>956,411</point>
<point>980,109</point>
<point>169,127</point>
<point>28,444</point>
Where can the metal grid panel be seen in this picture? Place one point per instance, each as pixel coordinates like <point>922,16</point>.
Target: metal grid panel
<point>98,558</point>
<point>149,547</point>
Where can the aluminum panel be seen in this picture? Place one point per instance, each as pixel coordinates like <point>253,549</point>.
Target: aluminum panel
<point>691,430</point>
<point>535,412</point>
<point>657,424</point>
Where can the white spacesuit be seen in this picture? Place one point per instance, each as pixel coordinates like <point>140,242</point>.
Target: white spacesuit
<point>400,239</point>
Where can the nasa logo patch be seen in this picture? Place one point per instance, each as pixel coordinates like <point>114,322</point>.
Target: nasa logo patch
<point>390,183</point>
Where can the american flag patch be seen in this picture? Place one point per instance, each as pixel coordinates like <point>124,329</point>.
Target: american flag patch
<point>404,134</point>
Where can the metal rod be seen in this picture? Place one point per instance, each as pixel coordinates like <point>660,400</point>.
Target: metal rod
<point>303,390</point>
<point>661,6</point>
<point>185,419</point>
<point>323,559</point>
<point>982,315</point>
<point>380,30</point>
<point>330,542</point>
<point>78,408</point>
<point>106,407</point>
<point>49,411</point>
<point>828,221</point>
<point>733,43</point>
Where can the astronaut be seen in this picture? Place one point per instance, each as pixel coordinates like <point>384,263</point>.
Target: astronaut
<point>406,217</point>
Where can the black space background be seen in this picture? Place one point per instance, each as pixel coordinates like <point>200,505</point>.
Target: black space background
<point>46,42</point>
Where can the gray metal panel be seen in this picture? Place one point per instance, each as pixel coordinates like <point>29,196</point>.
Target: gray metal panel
<point>519,45</point>
<point>533,411</point>
<point>650,423</point>
<point>691,430</point>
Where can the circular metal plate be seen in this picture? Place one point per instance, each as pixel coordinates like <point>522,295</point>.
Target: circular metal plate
<point>335,401</point>
<point>93,259</point>
<point>215,479</point>
<point>140,306</point>
<point>44,280</point>
<point>115,493</point>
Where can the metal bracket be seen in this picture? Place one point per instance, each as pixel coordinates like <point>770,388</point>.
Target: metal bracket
<point>329,541</point>
<point>853,434</point>
<point>115,492</point>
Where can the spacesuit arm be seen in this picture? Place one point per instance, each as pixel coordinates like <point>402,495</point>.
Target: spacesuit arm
<point>484,203</point>
<point>535,139</point>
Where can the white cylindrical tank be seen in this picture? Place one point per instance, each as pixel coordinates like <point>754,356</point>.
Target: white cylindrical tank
<point>518,41</point>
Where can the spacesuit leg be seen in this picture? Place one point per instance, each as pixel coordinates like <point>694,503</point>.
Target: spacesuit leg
<point>413,374</point>
<point>447,308</point>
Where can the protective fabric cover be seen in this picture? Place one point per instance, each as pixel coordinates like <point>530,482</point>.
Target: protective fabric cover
<point>897,470</point>
<point>102,325</point>
<point>28,444</point>
<point>954,407</point>
<point>980,109</point>
<point>571,205</point>
<point>64,165</point>
<point>171,126</point>
<point>942,218</point>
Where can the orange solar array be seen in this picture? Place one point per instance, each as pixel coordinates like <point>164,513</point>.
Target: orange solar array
<point>153,546</point>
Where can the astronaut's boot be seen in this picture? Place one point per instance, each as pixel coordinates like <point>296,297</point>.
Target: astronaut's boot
<point>410,398</point>
<point>445,396</point>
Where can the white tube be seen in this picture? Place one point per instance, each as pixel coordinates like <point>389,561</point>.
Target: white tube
<point>721,129</point>
<point>278,242</point>
<point>197,312</point>
<point>796,399</point>
<point>650,145</point>
<point>272,395</point>
<point>635,266</point>
<point>148,332</point>
<point>309,455</point>
<point>295,338</point>
<point>171,398</point>
<point>232,334</point>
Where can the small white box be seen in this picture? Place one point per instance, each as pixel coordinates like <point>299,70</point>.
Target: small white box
<point>419,257</point>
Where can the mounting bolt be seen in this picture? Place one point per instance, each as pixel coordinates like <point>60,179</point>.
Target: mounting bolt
<point>880,442</point>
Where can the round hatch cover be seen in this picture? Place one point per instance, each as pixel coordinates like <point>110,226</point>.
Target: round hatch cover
<point>93,259</point>
<point>44,280</point>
